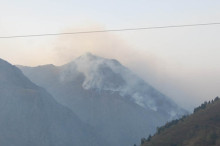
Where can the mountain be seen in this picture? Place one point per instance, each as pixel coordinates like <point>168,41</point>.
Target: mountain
<point>200,128</point>
<point>29,116</point>
<point>108,96</point>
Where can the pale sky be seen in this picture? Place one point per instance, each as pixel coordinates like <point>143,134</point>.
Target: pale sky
<point>183,63</point>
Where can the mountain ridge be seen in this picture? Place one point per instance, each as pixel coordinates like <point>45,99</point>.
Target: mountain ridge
<point>109,74</point>
<point>107,95</point>
<point>30,116</point>
<point>200,128</point>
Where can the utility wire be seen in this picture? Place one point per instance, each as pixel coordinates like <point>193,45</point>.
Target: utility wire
<point>110,30</point>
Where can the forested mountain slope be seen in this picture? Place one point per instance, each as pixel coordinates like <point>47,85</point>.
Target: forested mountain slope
<point>202,128</point>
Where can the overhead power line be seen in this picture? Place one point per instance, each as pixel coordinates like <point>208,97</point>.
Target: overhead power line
<point>110,30</point>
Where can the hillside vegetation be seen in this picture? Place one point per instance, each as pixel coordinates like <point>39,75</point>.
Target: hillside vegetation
<point>202,128</point>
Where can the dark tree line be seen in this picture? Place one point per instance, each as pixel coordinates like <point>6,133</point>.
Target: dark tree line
<point>204,105</point>
<point>174,122</point>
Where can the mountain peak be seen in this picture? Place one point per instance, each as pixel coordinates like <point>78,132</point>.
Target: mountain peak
<point>4,63</point>
<point>104,74</point>
<point>88,56</point>
<point>11,75</point>
<point>95,60</point>
<point>108,75</point>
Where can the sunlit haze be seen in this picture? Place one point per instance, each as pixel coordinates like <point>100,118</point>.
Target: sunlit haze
<point>183,63</point>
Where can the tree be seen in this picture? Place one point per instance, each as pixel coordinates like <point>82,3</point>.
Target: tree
<point>149,138</point>
<point>216,98</point>
<point>143,140</point>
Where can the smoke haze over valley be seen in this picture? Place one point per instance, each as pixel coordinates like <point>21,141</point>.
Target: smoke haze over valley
<point>108,96</point>
<point>108,73</point>
<point>179,74</point>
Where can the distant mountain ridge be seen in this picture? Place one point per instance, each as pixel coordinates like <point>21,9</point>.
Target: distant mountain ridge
<point>106,95</point>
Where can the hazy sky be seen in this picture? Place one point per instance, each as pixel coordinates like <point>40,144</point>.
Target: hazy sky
<point>183,63</point>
